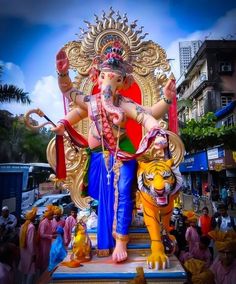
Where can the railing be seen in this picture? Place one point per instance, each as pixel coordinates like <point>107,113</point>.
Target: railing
<point>195,85</point>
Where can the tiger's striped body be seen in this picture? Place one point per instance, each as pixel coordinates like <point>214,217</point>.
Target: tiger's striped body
<point>157,184</point>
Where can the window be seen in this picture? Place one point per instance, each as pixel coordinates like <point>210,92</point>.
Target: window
<point>226,99</point>
<point>201,107</point>
<point>194,112</point>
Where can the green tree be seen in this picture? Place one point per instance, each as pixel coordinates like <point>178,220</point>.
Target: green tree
<point>18,144</point>
<point>203,134</point>
<point>11,93</point>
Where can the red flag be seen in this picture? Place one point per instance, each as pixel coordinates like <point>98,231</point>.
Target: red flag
<point>172,116</point>
<point>60,158</point>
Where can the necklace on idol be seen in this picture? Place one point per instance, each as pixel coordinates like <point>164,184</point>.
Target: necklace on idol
<point>109,170</point>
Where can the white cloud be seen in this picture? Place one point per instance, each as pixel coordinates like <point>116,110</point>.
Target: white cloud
<point>12,74</point>
<point>45,96</point>
<point>225,27</point>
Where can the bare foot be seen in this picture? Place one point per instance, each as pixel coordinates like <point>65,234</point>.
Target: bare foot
<point>120,251</point>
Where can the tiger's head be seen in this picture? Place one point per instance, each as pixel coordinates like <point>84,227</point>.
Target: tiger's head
<point>158,180</point>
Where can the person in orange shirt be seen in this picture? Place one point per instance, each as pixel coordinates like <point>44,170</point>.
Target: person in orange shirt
<point>205,222</point>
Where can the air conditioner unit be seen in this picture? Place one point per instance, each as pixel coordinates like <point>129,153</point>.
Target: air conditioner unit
<point>226,68</point>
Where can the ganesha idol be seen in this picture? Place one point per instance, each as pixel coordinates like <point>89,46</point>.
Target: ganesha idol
<point>110,55</point>
<point>112,166</point>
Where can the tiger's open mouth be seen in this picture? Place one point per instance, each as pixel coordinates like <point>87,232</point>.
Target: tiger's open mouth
<point>161,197</point>
<point>162,200</point>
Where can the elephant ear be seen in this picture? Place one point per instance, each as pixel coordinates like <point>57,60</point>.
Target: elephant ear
<point>129,80</point>
<point>93,74</point>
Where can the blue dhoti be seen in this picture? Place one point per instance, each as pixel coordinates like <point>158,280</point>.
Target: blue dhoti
<point>108,210</point>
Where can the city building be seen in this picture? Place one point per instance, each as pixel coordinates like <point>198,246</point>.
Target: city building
<point>187,50</point>
<point>209,85</point>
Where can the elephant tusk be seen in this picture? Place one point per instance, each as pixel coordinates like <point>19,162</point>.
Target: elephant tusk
<point>39,112</point>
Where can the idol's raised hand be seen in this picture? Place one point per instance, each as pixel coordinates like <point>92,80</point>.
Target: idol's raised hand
<point>62,62</point>
<point>169,90</point>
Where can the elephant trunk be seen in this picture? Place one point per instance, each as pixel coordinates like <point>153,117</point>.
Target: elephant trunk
<point>107,103</point>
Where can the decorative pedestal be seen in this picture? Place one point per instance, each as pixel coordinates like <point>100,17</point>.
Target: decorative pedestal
<point>103,270</point>
<point>100,270</point>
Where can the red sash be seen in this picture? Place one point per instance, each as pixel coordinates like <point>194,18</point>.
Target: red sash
<point>75,138</point>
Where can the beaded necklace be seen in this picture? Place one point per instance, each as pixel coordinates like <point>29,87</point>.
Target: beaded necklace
<point>106,154</point>
<point>104,121</point>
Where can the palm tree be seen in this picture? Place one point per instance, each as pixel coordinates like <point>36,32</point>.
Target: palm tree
<point>10,93</point>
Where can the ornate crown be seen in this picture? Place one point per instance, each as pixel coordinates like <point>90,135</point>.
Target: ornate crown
<point>112,59</point>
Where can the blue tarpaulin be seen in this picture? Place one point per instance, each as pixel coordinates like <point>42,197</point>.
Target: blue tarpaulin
<point>224,111</point>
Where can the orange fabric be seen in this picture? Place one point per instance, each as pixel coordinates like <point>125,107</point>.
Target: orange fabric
<point>57,210</point>
<point>220,236</point>
<point>226,245</point>
<point>30,215</point>
<point>49,211</point>
<point>205,224</point>
<point>71,263</point>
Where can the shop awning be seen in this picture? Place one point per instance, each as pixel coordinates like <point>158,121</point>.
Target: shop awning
<point>225,110</point>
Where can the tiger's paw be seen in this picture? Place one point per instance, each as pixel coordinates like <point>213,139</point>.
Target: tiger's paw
<point>158,261</point>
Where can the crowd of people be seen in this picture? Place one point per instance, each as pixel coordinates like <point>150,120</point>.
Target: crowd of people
<point>206,245</point>
<point>25,253</point>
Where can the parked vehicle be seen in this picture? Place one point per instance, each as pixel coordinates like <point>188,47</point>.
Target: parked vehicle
<point>56,199</point>
<point>20,184</point>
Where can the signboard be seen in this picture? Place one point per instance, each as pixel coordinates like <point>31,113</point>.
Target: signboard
<point>194,163</point>
<point>215,153</point>
<point>216,164</point>
<point>220,159</point>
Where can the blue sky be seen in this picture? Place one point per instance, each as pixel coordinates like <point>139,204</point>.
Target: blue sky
<point>31,33</point>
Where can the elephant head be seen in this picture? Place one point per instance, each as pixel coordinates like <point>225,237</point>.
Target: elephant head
<point>110,83</point>
<point>112,74</point>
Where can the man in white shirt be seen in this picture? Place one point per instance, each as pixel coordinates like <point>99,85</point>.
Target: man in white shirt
<point>8,221</point>
<point>224,221</point>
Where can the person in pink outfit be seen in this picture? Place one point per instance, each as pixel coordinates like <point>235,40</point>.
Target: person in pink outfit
<point>57,220</point>
<point>224,266</point>
<point>9,256</point>
<point>69,224</point>
<point>200,252</point>
<point>45,236</point>
<point>28,248</point>
<point>191,235</point>
<point>223,269</point>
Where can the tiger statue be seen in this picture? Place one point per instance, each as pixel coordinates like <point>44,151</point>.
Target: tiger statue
<point>159,183</point>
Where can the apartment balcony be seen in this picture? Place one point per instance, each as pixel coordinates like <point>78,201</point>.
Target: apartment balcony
<point>195,86</point>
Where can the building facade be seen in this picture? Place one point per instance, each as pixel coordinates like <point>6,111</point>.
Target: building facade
<point>187,50</point>
<point>209,85</point>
